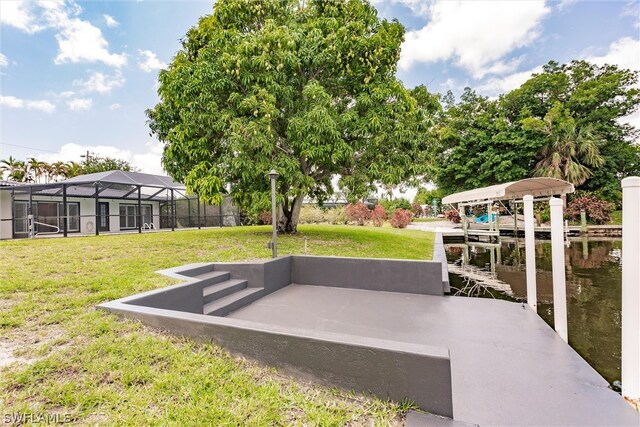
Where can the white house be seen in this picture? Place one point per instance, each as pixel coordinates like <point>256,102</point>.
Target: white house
<point>104,202</point>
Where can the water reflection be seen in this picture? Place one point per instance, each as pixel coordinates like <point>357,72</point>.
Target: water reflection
<point>594,289</point>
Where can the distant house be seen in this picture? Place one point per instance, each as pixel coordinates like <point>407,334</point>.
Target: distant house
<point>105,202</point>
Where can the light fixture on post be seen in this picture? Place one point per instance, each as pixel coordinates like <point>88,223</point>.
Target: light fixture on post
<point>274,243</point>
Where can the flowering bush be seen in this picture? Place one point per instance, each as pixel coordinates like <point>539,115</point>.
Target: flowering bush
<point>452,215</point>
<point>358,213</point>
<point>401,218</point>
<point>311,215</point>
<point>598,211</point>
<point>379,215</point>
<point>336,216</point>
<point>265,217</point>
<point>416,209</point>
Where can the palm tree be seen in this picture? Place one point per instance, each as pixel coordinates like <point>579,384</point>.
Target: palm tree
<point>16,169</point>
<point>47,172</point>
<point>73,169</point>
<point>8,165</point>
<point>35,169</point>
<point>569,151</point>
<point>60,170</point>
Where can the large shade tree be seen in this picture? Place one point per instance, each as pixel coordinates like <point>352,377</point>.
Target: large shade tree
<point>597,98</point>
<point>307,88</point>
<point>569,152</point>
<point>566,122</point>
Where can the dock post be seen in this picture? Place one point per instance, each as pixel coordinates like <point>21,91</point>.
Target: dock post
<point>530,252</point>
<point>463,218</point>
<point>558,269</point>
<point>497,225</point>
<point>583,222</point>
<point>631,287</point>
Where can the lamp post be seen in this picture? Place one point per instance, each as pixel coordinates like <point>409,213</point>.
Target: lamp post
<point>274,243</point>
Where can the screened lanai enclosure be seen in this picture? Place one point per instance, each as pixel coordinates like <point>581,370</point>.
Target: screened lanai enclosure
<point>106,202</point>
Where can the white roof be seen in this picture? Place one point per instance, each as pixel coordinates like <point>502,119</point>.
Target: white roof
<point>537,187</point>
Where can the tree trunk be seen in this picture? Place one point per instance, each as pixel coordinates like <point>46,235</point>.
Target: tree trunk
<point>288,219</point>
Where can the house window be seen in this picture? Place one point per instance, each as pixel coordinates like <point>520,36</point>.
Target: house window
<point>103,216</point>
<point>73,213</point>
<point>20,212</point>
<point>129,216</point>
<point>48,217</point>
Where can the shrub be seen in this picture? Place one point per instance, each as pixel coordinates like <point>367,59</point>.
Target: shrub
<point>401,218</point>
<point>452,215</point>
<point>265,217</point>
<point>379,215</point>
<point>336,216</point>
<point>598,211</point>
<point>358,213</point>
<point>542,212</point>
<point>416,209</point>
<point>311,215</point>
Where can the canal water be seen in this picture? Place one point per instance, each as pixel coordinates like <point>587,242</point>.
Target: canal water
<point>594,290</point>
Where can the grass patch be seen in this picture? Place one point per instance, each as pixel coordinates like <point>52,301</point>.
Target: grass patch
<point>99,368</point>
<point>616,218</point>
<point>429,219</point>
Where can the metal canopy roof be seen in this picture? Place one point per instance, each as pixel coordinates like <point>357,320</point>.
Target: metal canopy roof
<point>120,178</point>
<point>537,187</point>
<point>127,178</point>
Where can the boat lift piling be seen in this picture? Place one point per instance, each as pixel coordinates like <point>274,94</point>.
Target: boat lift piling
<point>526,191</point>
<point>631,287</point>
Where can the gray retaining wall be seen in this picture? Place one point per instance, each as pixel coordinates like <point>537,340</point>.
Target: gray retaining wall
<point>388,369</point>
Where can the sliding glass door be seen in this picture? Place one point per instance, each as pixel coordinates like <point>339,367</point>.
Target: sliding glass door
<point>129,216</point>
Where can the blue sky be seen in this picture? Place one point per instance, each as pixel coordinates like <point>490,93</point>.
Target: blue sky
<point>77,76</point>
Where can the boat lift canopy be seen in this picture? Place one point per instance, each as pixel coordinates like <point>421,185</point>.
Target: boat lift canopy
<point>537,187</point>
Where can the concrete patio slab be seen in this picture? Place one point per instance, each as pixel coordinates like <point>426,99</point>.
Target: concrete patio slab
<point>508,366</point>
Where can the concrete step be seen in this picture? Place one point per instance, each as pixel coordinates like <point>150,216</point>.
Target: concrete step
<point>222,289</point>
<point>236,300</point>
<point>213,277</point>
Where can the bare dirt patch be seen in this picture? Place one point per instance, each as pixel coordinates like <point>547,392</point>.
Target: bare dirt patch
<point>7,356</point>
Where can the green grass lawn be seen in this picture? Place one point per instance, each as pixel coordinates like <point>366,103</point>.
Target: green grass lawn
<point>429,219</point>
<point>616,218</point>
<point>99,368</point>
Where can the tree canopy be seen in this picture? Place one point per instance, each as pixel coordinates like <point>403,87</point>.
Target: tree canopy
<point>563,122</point>
<point>34,170</point>
<point>305,88</point>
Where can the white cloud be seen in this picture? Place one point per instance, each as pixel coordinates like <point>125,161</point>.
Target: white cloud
<point>565,4</point>
<point>80,104</point>
<point>148,61</point>
<point>66,94</point>
<point>477,35</point>
<point>632,9</point>
<point>3,60</point>
<point>151,161</point>
<point>624,52</point>
<point>110,21</point>
<point>148,161</point>
<point>78,40</point>
<point>419,7</point>
<point>632,119</point>
<point>100,82</point>
<point>13,102</point>
<point>114,107</point>
<point>19,14</point>
<point>498,85</point>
